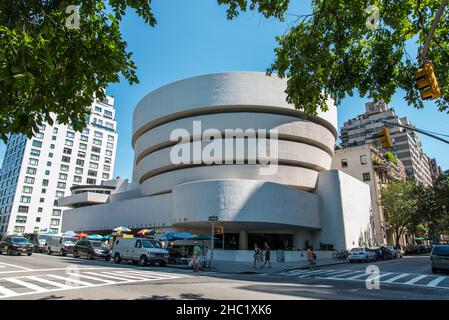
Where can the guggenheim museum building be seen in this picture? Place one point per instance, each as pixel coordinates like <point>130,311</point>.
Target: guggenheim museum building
<point>228,145</point>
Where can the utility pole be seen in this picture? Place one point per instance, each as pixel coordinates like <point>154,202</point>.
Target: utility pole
<point>432,30</point>
<point>212,219</point>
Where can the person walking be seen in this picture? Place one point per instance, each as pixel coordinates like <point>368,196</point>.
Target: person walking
<point>310,255</point>
<point>267,254</point>
<point>195,255</point>
<point>256,256</point>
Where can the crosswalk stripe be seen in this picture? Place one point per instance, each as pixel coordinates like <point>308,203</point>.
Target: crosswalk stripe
<point>157,274</point>
<point>52,283</point>
<point>436,281</point>
<point>15,266</point>
<point>358,276</point>
<point>95,278</point>
<point>415,279</point>
<point>383,275</point>
<point>6,292</point>
<point>345,274</point>
<point>333,274</point>
<point>26,284</point>
<point>313,272</point>
<point>139,276</point>
<point>72,280</point>
<point>112,276</point>
<point>403,275</point>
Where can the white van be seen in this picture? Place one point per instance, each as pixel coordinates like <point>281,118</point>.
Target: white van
<point>139,250</point>
<point>60,244</point>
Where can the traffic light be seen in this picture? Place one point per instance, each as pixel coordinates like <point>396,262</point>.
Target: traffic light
<point>427,83</point>
<point>385,138</point>
<point>218,230</point>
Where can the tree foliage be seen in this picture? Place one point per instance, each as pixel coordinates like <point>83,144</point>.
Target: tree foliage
<point>46,67</point>
<point>332,52</point>
<point>399,202</point>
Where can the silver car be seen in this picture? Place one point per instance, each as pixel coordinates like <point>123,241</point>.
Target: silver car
<point>397,253</point>
<point>439,258</point>
<point>361,254</point>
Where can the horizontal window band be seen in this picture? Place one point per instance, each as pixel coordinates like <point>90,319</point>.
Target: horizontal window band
<point>231,109</point>
<point>281,137</point>
<point>175,167</point>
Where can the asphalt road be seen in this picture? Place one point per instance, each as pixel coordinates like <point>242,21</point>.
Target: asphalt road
<point>53,277</point>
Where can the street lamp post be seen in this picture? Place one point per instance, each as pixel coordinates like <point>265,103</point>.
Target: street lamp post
<point>212,219</point>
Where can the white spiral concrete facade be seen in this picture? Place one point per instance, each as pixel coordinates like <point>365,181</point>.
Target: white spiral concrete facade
<point>235,100</point>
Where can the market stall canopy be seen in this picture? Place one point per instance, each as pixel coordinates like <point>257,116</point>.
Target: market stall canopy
<point>80,235</point>
<point>183,236</point>
<point>202,237</point>
<point>69,233</point>
<point>168,237</point>
<point>144,232</point>
<point>94,237</point>
<point>122,229</point>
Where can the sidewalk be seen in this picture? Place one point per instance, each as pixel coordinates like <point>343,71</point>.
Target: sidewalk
<point>247,267</point>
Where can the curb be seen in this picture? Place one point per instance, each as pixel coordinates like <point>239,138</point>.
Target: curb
<point>317,266</point>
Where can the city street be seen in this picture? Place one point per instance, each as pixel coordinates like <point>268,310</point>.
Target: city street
<point>53,277</point>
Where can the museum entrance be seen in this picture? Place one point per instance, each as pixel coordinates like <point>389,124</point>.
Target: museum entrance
<point>275,241</point>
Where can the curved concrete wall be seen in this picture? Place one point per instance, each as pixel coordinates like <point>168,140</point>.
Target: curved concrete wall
<point>244,202</point>
<point>235,100</point>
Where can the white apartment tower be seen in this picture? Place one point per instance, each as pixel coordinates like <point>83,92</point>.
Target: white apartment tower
<point>38,171</point>
<point>406,143</point>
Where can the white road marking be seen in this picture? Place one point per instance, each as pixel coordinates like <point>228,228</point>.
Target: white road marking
<point>359,276</point>
<point>95,278</point>
<point>52,283</point>
<point>108,275</point>
<point>6,292</point>
<point>436,281</point>
<point>137,277</point>
<point>415,279</point>
<point>391,280</point>
<point>15,266</point>
<point>157,274</point>
<point>26,284</point>
<point>71,280</point>
<point>306,274</point>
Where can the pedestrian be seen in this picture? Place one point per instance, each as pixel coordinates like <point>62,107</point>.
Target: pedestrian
<point>310,258</point>
<point>195,255</point>
<point>256,256</point>
<point>267,255</point>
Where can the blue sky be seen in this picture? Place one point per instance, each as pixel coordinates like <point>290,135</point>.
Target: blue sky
<point>194,37</point>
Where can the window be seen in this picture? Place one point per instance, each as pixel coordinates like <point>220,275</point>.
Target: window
<point>98,109</point>
<point>366,176</point>
<point>92,173</point>
<point>96,149</point>
<point>53,138</point>
<point>37,144</point>
<point>59,194</point>
<point>84,138</point>
<point>21,219</point>
<point>77,179</point>
<point>38,219</point>
<point>31,170</point>
<point>67,151</point>
<point>109,125</point>
<point>23,209</point>
<point>81,154</point>
<point>94,157</point>
<point>65,159</point>
<point>19,229</point>
<point>108,113</point>
<point>29,180</point>
<point>86,130</point>
<point>50,155</point>
<point>93,165</point>
<point>57,212</point>
<point>68,142</point>
<point>79,170</point>
<point>35,152</point>
<point>363,159</point>
<point>27,189</point>
<point>91,181</point>
<point>97,142</point>
<point>83,146</point>
<point>44,190</point>
<point>79,162</point>
<point>61,185</point>
<point>47,172</point>
<point>98,134</point>
<point>39,135</point>
<point>344,163</point>
<point>107,160</point>
<point>25,199</point>
<point>54,230</point>
<point>55,130</point>
<point>105,176</point>
<point>107,168</point>
<point>63,176</point>
<point>48,163</point>
<point>110,138</point>
<point>39,209</point>
<point>41,200</point>
<point>54,222</point>
<point>33,161</point>
<point>109,153</point>
<point>64,168</point>
<point>110,145</point>
<point>52,146</point>
<point>70,134</point>
<point>45,183</point>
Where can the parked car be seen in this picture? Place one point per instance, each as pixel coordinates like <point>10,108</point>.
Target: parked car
<point>139,250</point>
<point>361,254</point>
<point>91,250</point>
<point>383,253</point>
<point>439,258</point>
<point>16,245</point>
<point>38,241</point>
<point>410,249</point>
<point>397,253</point>
<point>60,244</point>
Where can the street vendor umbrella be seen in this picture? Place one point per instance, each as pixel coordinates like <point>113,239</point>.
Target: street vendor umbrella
<point>122,229</point>
<point>182,236</point>
<point>107,237</point>
<point>80,235</point>
<point>69,233</point>
<point>144,232</point>
<point>168,237</point>
<point>94,237</point>
<point>155,231</point>
<point>202,237</point>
